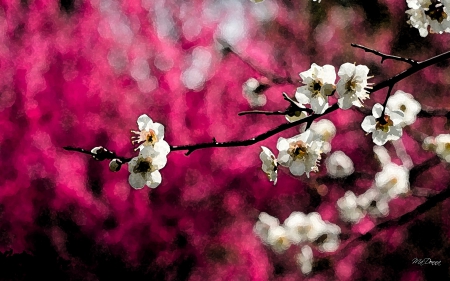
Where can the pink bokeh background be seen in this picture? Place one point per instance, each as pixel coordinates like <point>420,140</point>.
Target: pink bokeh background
<point>80,73</point>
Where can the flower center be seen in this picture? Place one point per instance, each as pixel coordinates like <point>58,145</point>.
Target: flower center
<point>143,165</point>
<point>436,11</point>
<point>297,150</point>
<point>447,146</point>
<point>150,137</point>
<point>383,123</point>
<point>351,85</point>
<point>316,87</point>
<point>403,107</point>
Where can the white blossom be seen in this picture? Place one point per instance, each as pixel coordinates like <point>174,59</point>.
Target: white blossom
<point>144,168</point>
<point>349,209</point>
<point>319,84</point>
<point>443,146</point>
<point>351,88</point>
<point>264,223</point>
<point>269,164</point>
<point>300,153</point>
<point>374,203</point>
<point>329,240</point>
<point>433,13</point>
<point>393,180</point>
<point>339,165</point>
<point>297,226</point>
<point>278,239</point>
<point>405,103</point>
<point>150,134</point>
<point>383,128</point>
<point>250,91</point>
<point>305,259</point>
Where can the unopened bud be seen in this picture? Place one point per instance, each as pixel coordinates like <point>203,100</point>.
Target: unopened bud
<point>99,153</point>
<point>115,165</point>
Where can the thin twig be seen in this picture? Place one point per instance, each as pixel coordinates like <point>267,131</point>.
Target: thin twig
<point>106,154</point>
<point>262,112</point>
<point>385,56</point>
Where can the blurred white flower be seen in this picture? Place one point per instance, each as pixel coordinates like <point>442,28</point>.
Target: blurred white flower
<point>349,209</point>
<point>443,146</point>
<point>297,226</point>
<point>383,128</point>
<point>300,153</point>
<point>405,103</point>
<point>329,240</point>
<point>319,84</point>
<point>339,165</point>
<point>269,164</point>
<point>264,223</point>
<point>278,239</point>
<point>305,259</point>
<point>325,129</point>
<point>144,168</point>
<point>150,134</point>
<point>351,88</point>
<point>433,13</point>
<point>382,155</point>
<point>252,91</point>
<point>374,203</point>
<point>393,180</point>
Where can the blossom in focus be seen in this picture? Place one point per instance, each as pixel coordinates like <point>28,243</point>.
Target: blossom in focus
<point>252,91</point>
<point>383,128</point>
<point>305,259</point>
<point>424,13</point>
<point>405,103</point>
<point>339,165</point>
<point>319,84</point>
<point>296,114</point>
<point>349,209</point>
<point>300,153</point>
<point>351,88</point>
<point>144,169</point>
<point>393,180</point>
<point>150,134</point>
<point>269,164</point>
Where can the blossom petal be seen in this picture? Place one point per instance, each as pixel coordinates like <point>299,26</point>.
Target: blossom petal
<point>143,120</point>
<point>136,181</point>
<point>368,124</point>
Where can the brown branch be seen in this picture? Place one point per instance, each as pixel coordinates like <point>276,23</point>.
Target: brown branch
<point>262,112</point>
<point>385,56</point>
<point>101,155</point>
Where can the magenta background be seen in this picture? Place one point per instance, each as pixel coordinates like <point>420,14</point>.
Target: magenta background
<point>64,215</point>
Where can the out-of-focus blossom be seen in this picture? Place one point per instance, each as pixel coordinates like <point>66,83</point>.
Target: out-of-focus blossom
<point>253,92</point>
<point>278,239</point>
<point>269,164</point>
<point>433,13</point>
<point>326,130</point>
<point>257,1</point>
<point>305,259</point>
<point>264,223</point>
<point>351,88</point>
<point>297,226</point>
<point>383,128</point>
<point>382,155</point>
<point>300,153</point>
<point>374,203</point>
<point>349,209</point>
<point>339,165</point>
<point>405,103</point>
<point>144,168</point>
<point>393,180</point>
<point>329,240</point>
<point>319,84</point>
<point>443,146</point>
<point>150,134</point>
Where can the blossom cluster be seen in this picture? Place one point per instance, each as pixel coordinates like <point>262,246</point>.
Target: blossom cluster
<point>392,181</point>
<point>153,150</point>
<point>319,85</point>
<point>432,13</point>
<point>301,230</point>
